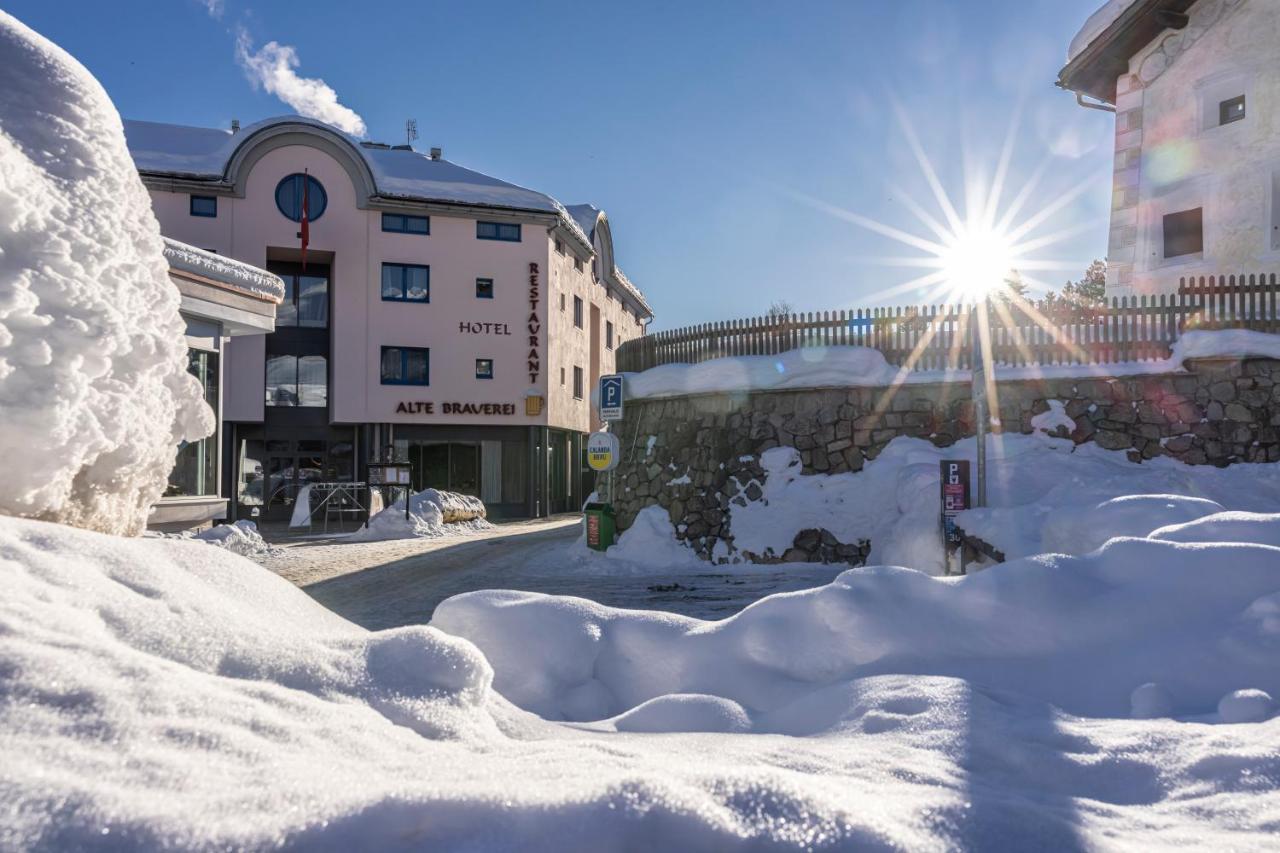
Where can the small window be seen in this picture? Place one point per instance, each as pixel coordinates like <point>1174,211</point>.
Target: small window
<point>1184,233</point>
<point>561,301</point>
<point>484,368</point>
<point>577,383</point>
<point>296,189</point>
<point>406,283</point>
<point>204,205</point>
<point>577,264</point>
<point>484,288</point>
<point>406,366</point>
<point>559,247</point>
<point>1231,110</point>
<point>399,223</point>
<point>577,311</point>
<point>507,231</point>
<point>562,377</point>
<point>608,334</point>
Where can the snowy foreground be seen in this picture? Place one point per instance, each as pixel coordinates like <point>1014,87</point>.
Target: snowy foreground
<point>159,692</point>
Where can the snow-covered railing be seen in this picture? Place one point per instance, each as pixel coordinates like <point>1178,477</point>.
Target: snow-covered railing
<point>936,337</point>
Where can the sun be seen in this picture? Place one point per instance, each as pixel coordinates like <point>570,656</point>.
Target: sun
<point>975,261</point>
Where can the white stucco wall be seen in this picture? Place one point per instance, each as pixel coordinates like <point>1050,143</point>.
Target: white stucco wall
<point>1172,155</point>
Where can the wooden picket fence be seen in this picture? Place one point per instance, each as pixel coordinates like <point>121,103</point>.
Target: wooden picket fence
<point>937,337</point>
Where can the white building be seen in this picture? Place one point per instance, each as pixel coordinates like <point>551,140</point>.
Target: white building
<point>1195,86</point>
<point>444,316</point>
<point>221,299</point>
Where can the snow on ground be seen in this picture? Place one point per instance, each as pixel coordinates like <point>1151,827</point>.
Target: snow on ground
<point>94,387</point>
<point>1044,494</point>
<point>432,513</point>
<point>241,538</point>
<point>159,693</point>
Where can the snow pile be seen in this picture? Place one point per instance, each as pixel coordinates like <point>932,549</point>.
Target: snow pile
<point>163,694</point>
<point>1079,632</point>
<point>94,388</point>
<point>650,542</point>
<point>432,513</point>
<point>241,538</point>
<point>1225,343</point>
<point>1044,495</point>
<point>1257,527</point>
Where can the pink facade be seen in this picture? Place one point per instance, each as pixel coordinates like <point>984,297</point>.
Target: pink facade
<point>526,328</point>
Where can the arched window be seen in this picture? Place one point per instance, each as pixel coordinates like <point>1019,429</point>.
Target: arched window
<point>289,197</point>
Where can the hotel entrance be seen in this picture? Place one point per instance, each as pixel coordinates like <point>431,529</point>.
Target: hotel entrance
<point>449,465</point>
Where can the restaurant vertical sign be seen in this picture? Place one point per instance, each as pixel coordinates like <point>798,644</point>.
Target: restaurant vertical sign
<point>535,325</point>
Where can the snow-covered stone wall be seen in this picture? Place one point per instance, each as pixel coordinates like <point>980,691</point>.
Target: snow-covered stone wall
<point>94,391</point>
<point>699,455</point>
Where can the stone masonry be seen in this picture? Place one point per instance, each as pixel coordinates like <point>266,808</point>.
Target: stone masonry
<point>697,455</point>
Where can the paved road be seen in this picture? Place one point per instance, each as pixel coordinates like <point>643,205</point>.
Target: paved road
<point>385,584</point>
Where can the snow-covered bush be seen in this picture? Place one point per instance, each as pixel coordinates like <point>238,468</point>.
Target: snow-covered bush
<point>94,392</point>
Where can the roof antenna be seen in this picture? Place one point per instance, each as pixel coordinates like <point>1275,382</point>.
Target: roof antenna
<point>235,125</point>
<point>410,131</point>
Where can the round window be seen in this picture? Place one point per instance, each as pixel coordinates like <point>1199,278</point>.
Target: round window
<point>289,194</point>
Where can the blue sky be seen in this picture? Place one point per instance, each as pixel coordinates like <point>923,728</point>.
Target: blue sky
<point>718,136</point>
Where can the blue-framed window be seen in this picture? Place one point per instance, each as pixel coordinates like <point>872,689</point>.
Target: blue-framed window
<point>406,366</point>
<point>508,231</point>
<point>401,223</point>
<point>289,197</point>
<point>204,205</point>
<point>484,288</point>
<point>484,368</point>
<point>406,283</point>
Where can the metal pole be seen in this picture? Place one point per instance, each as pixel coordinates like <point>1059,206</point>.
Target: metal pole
<point>979,393</point>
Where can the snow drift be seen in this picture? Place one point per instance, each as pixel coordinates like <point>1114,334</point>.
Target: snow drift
<point>93,384</point>
<point>157,693</point>
<point>1079,632</point>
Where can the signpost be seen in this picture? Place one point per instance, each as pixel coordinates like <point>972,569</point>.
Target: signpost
<point>611,398</point>
<point>603,451</point>
<point>955,499</point>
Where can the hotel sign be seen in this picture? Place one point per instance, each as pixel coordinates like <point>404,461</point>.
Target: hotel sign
<point>426,407</point>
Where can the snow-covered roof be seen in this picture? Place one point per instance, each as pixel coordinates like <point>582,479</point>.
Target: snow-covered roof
<point>585,215</point>
<point>399,172</point>
<point>236,275</point>
<point>1096,25</point>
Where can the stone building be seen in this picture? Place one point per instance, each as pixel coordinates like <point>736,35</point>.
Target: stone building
<point>1195,88</point>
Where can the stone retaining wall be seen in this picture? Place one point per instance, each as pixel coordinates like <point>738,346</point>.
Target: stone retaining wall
<point>695,455</point>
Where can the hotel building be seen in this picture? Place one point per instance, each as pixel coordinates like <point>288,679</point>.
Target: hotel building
<point>439,316</point>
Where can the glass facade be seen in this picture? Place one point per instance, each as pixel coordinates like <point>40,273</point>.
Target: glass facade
<point>195,473</point>
<point>297,381</point>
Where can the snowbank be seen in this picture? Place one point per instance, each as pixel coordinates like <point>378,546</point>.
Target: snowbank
<point>164,694</point>
<point>853,367</point>
<point>650,542</point>
<point>94,387</point>
<point>1044,495</point>
<point>432,513</point>
<point>1079,632</point>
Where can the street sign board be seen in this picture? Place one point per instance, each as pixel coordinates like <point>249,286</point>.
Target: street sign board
<point>611,398</point>
<point>955,499</point>
<point>603,451</point>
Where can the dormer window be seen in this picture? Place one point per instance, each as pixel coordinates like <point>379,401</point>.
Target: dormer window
<point>1231,110</point>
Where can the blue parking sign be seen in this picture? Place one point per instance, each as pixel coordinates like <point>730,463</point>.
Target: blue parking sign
<point>611,398</point>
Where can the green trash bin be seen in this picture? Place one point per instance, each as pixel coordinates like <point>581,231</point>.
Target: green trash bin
<point>600,525</point>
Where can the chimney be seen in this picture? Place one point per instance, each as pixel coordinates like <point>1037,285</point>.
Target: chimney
<point>436,153</point>
<point>235,125</point>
